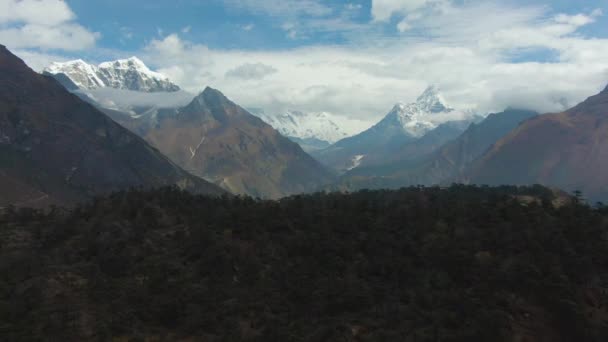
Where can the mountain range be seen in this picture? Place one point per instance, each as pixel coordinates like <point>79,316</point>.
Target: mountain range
<point>448,163</point>
<point>216,139</point>
<point>209,135</point>
<point>57,149</point>
<point>254,153</point>
<point>405,123</point>
<point>568,150</point>
<point>130,74</point>
<point>313,131</point>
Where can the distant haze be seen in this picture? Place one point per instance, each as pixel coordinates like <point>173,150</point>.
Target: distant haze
<point>120,98</point>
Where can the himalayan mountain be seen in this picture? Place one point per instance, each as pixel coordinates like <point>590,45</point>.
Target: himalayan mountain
<point>446,164</point>
<point>129,74</point>
<point>404,124</point>
<point>567,150</point>
<point>114,85</point>
<point>313,131</point>
<point>425,142</point>
<point>58,149</point>
<point>126,89</point>
<point>209,136</point>
<point>216,139</point>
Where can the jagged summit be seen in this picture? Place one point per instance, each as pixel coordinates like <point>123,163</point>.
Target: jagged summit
<point>416,118</point>
<point>129,62</point>
<point>217,139</point>
<point>129,74</point>
<point>432,100</point>
<point>212,92</point>
<point>207,98</point>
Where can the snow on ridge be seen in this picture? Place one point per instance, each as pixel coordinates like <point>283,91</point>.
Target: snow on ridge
<point>129,74</point>
<point>132,63</point>
<point>424,115</point>
<point>318,125</point>
<point>356,162</point>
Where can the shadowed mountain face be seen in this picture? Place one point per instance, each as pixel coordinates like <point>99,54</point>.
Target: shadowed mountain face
<point>447,164</point>
<point>214,138</point>
<point>56,148</point>
<point>568,150</point>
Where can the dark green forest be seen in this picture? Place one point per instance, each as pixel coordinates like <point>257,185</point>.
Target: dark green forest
<point>419,264</point>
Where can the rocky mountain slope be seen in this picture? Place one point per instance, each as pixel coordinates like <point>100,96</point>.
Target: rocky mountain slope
<point>312,130</point>
<point>447,164</point>
<point>214,138</point>
<point>403,124</point>
<point>56,148</point>
<point>567,150</point>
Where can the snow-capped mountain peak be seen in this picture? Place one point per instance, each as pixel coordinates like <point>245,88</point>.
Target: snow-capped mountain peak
<point>84,75</point>
<point>418,118</point>
<point>432,101</point>
<point>129,74</point>
<point>317,125</point>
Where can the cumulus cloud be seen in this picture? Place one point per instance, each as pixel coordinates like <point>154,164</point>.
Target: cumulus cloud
<point>43,24</point>
<point>37,60</point>
<point>467,49</point>
<point>403,26</point>
<point>43,12</point>
<point>122,98</point>
<point>282,8</point>
<point>248,27</point>
<point>251,71</point>
<point>383,10</point>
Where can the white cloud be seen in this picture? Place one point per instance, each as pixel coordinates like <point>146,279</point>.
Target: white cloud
<point>170,45</point>
<point>69,37</point>
<point>574,20</point>
<point>43,24</point>
<point>353,7</point>
<point>467,50</point>
<point>186,29</point>
<point>251,71</point>
<point>42,12</point>
<point>282,8</point>
<point>121,98</point>
<point>38,61</point>
<point>403,26</point>
<point>248,27</point>
<point>383,10</point>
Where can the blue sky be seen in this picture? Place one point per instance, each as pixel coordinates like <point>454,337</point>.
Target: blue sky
<point>130,24</point>
<point>353,58</point>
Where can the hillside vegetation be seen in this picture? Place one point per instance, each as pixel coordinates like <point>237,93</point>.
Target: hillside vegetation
<point>417,264</point>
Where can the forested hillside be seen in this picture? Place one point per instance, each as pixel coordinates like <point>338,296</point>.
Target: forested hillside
<point>418,264</point>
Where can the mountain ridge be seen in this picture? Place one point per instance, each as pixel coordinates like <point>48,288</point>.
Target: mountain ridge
<point>567,150</point>
<point>218,140</point>
<point>446,164</point>
<point>59,149</point>
<point>130,74</point>
<point>321,126</point>
<point>403,124</point>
